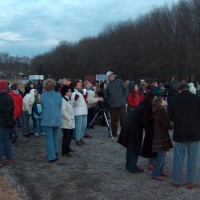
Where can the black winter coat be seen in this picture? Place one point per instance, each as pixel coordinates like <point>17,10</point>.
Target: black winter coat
<point>184,111</point>
<point>131,135</point>
<point>6,104</point>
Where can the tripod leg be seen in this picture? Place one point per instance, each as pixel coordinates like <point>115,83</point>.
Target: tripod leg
<point>108,125</point>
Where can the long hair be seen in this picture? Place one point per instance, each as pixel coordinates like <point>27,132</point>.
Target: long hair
<point>157,104</point>
<point>132,91</point>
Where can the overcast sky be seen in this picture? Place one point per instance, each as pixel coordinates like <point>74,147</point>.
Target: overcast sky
<point>31,27</point>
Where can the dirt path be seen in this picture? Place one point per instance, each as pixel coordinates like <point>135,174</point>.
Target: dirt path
<point>96,171</point>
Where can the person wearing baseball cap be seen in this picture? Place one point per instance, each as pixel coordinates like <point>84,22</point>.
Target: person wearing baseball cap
<point>117,93</point>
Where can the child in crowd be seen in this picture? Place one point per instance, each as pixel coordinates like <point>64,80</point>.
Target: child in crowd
<point>161,138</point>
<point>68,122</point>
<point>37,112</point>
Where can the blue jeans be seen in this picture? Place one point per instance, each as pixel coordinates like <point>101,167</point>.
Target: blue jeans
<point>179,155</point>
<point>160,162</point>
<point>5,144</point>
<point>37,126</point>
<point>25,122</point>
<point>80,126</point>
<point>51,135</point>
<point>131,161</point>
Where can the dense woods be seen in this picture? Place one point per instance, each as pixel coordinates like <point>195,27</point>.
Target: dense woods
<point>11,66</point>
<point>160,44</point>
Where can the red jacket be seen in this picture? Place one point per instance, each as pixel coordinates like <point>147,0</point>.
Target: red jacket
<point>18,103</point>
<point>134,101</point>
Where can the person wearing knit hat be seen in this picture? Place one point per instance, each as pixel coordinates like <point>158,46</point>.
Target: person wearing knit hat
<point>6,121</point>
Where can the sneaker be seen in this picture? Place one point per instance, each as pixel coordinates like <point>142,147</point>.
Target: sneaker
<point>151,166</point>
<point>87,136</point>
<point>82,142</point>
<point>191,185</point>
<point>78,143</point>
<point>138,171</point>
<point>176,185</point>
<point>71,150</point>
<point>165,174</point>
<point>158,178</point>
<point>42,133</point>
<point>67,155</point>
<point>36,134</point>
<point>27,135</point>
<point>8,160</point>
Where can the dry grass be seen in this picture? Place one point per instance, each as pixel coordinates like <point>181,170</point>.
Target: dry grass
<point>6,191</point>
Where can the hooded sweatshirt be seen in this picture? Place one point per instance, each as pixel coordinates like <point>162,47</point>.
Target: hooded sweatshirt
<point>18,102</point>
<point>28,101</point>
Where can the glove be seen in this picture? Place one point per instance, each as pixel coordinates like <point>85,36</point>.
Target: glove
<point>76,97</point>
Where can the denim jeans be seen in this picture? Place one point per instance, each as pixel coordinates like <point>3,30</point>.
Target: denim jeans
<point>160,162</point>
<point>131,161</point>
<point>25,122</point>
<point>80,126</point>
<point>51,135</point>
<point>179,155</point>
<point>5,144</point>
<point>37,126</point>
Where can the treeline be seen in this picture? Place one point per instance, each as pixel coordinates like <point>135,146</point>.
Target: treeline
<point>11,66</point>
<point>160,44</point>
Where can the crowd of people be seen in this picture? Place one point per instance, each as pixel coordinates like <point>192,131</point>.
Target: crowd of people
<point>145,110</point>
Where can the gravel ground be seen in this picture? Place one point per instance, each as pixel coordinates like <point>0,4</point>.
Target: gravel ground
<point>96,171</point>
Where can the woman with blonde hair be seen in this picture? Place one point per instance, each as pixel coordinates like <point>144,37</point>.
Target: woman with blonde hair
<point>51,102</point>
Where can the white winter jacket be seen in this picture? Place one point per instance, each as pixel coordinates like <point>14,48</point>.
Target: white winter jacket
<point>28,101</point>
<point>92,100</point>
<point>80,106</point>
<point>67,113</point>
